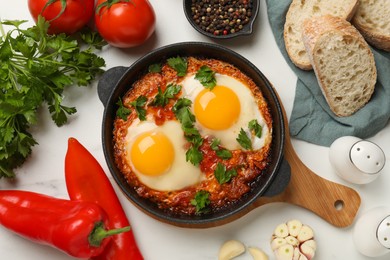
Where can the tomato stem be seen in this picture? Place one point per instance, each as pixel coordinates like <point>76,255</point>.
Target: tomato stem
<point>63,7</point>
<point>110,3</point>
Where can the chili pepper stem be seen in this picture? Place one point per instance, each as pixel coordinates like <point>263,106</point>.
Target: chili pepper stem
<point>99,233</point>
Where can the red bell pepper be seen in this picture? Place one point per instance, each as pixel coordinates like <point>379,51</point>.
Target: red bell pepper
<point>87,181</point>
<point>75,227</point>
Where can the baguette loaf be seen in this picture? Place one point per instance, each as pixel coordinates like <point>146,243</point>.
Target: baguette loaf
<point>301,10</point>
<point>372,19</point>
<point>343,63</point>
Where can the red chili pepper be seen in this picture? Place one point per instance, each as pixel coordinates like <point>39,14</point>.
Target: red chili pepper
<point>87,181</point>
<point>75,227</point>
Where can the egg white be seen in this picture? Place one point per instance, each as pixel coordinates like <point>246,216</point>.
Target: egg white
<point>191,87</point>
<point>181,174</point>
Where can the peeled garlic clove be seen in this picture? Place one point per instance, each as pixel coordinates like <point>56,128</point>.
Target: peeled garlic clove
<point>294,226</point>
<point>281,230</point>
<point>257,253</point>
<point>305,233</point>
<point>231,249</point>
<point>277,242</point>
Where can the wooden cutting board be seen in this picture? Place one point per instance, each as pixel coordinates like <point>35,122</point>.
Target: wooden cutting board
<point>335,203</point>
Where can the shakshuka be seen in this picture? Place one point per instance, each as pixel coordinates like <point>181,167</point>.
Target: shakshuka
<point>192,134</point>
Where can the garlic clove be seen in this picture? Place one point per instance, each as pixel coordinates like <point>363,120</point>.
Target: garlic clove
<point>257,253</point>
<point>231,249</point>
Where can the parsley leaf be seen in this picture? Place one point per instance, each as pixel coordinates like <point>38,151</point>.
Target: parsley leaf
<point>155,68</point>
<point>192,135</point>
<point>162,98</point>
<point>244,140</point>
<point>122,112</point>
<point>194,156</point>
<point>221,152</point>
<point>35,69</point>
<point>179,64</point>
<point>201,201</point>
<point>222,175</point>
<point>255,127</point>
<point>139,104</point>
<point>206,76</point>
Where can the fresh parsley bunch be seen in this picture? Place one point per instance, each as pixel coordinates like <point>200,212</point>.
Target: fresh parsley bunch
<point>35,68</point>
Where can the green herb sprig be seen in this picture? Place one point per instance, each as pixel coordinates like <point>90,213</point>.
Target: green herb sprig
<point>162,98</point>
<point>179,64</point>
<point>221,152</point>
<point>201,201</point>
<point>255,127</point>
<point>122,112</point>
<point>139,105</point>
<point>36,68</point>
<point>222,175</point>
<point>244,140</point>
<point>187,120</point>
<point>206,77</point>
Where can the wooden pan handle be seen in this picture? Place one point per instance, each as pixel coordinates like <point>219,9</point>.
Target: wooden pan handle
<point>335,203</point>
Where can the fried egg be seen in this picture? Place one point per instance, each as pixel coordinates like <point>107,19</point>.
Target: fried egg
<point>157,155</point>
<point>224,110</point>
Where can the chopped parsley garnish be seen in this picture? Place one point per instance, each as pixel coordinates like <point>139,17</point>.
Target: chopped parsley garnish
<point>192,135</point>
<point>221,152</point>
<point>206,77</point>
<point>156,67</point>
<point>122,111</point>
<point>244,140</point>
<point>179,64</point>
<point>255,127</point>
<point>222,175</point>
<point>201,201</point>
<point>139,104</point>
<point>162,98</point>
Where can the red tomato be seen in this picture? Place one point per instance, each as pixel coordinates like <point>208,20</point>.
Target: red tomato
<point>125,24</point>
<point>76,15</point>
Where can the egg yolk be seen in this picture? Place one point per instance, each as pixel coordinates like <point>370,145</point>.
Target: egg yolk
<point>152,153</point>
<point>218,108</point>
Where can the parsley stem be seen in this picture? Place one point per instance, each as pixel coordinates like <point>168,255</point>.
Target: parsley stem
<point>2,29</point>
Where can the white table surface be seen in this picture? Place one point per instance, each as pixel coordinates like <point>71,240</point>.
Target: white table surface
<point>44,171</point>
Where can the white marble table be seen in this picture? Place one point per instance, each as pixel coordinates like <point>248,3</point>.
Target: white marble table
<point>44,170</point>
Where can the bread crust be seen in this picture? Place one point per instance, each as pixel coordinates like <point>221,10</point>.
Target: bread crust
<point>330,26</point>
<point>375,36</point>
<point>296,14</point>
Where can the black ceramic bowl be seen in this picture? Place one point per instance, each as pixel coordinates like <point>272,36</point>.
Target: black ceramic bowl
<point>117,81</point>
<point>246,30</point>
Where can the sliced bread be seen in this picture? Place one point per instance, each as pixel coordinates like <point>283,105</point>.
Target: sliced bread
<point>343,63</point>
<point>372,19</point>
<point>301,10</point>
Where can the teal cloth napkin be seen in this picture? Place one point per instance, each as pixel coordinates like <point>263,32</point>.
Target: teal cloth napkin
<point>311,118</point>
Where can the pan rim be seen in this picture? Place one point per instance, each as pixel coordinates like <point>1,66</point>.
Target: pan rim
<point>161,214</point>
